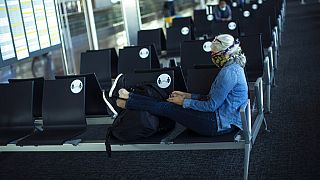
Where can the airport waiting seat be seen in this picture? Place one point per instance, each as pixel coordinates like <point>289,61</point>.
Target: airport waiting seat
<point>152,36</point>
<point>257,65</point>
<point>263,27</point>
<point>202,23</point>
<point>182,21</point>
<point>163,78</point>
<point>207,74</point>
<point>270,8</point>
<point>253,8</point>
<point>224,28</point>
<point>179,82</point>
<point>195,52</point>
<point>175,36</point>
<point>94,104</point>
<point>103,63</point>
<point>16,114</point>
<point>37,94</point>
<point>236,13</point>
<point>133,58</point>
<point>63,112</point>
<point>258,25</point>
<point>252,48</point>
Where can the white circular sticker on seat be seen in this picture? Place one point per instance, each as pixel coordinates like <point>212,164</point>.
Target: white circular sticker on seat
<point>232,25</point>
<point>144,53</point>
<point>246,13</point>
<point>185,30</point>
<point>234,4</point>
<point>76,86</point>
<point>164,81</point>
<point>259,1</point>
<point>207,46</point>
<point>254,6</point>
<point>210,17</point>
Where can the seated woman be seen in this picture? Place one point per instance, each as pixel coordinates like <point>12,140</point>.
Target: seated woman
<point>216,114</point>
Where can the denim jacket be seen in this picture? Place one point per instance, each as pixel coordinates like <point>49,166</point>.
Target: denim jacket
<point>228,92</point>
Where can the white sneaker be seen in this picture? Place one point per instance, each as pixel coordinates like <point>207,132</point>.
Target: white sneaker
<point>111,108</point>
<point>114,87</point>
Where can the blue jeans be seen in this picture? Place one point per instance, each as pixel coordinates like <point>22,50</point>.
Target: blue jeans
<point>203,123</point>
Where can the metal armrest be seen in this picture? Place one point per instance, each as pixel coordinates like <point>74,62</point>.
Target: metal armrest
<point>267,73</point>
<point>245,113</point>
<point>258,88</point>
<point>268,78</point>
<point>271,59</point>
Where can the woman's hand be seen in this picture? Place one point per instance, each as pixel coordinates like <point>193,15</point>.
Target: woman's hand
<point>179,93</point>
<point>176,100</point>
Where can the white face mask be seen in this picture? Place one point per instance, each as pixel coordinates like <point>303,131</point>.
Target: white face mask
<point>223,9</point>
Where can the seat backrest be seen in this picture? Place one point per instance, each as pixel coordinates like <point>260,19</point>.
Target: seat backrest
<point>93,94</point>
<point>236,13</point>
<point>202,22</point>
<point>179,79</point>
<point>269,9</point>
<point>225,28</point>
<point>253,8</point>
<point>182,22</point>
<point>159,77</point>
<point>133,58</point>
<point>64,104</point>
<point>252,48</point>
<point>16,105</point>
<point>257,25</point>
<point>101,62</point>
<point>200,79</point>
<point>152,36</point>
<point>195,52</point>
<point>37,94</point>
<point>176,35</point>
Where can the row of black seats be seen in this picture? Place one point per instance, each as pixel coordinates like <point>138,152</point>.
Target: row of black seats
<point>184,32</point>
<point>62,105</point>
<point>193,53</point>
<point>65,101</point>
<point>144,57</point>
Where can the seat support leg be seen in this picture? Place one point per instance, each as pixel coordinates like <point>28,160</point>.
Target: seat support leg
<point>268,99</point>
<point>247,150</point>
<point>266,125</point>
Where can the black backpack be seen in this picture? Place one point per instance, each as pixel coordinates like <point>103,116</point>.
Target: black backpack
<point>132,125</point>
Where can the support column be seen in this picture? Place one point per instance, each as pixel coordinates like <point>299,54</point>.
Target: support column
<point>202,4</point>
<point>132,20</point>
<point>66,42</point>
<point>90,24</point>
